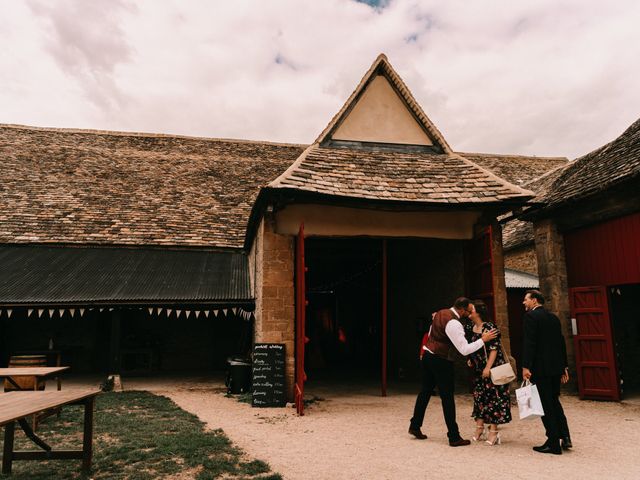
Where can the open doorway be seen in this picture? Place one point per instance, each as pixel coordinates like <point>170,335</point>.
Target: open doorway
<point>344,314</point>
<point>626,327</point>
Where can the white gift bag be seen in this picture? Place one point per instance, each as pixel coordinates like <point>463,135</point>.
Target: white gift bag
<point>529,403</point>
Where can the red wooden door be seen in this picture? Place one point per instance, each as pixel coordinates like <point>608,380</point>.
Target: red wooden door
<point>596,366</point>
<point>480,269</point>
<point>301,306</point>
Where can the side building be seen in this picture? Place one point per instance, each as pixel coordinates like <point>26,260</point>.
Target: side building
<point>587,239</point>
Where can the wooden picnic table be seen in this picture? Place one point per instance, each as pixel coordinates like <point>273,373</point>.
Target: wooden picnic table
<point>41,372</point>
<point>16,406</point>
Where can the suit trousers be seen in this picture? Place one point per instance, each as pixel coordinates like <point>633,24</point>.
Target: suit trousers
<point>437,372</point>
<point>554,420</point>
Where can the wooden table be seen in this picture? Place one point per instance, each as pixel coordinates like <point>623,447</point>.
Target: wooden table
<point>57,353</point>
<point>16,406</point>
<point>36,372</point>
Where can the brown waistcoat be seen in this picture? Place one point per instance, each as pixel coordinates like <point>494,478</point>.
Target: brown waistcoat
<point>438,341</point>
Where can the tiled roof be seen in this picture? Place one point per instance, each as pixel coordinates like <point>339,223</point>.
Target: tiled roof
<point>401,175</point>
<point>592,173</point>
<point>599,170</point>
<point>517,233</point>
<point>517,169</point>
<point>91,187</point>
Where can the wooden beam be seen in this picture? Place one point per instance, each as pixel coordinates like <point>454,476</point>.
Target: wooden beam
<point>384,317</point>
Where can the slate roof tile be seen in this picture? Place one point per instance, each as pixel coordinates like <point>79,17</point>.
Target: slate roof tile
<point>402,175</point>
<point>81,186</point>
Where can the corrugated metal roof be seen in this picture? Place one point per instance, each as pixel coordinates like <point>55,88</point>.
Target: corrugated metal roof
<point>65,275</point>
<point>519,279</point>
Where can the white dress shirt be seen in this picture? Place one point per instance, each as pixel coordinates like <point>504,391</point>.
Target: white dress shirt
<point>455,332</point>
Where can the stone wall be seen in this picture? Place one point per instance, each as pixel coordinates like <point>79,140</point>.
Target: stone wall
<point>522,258</point>
<point>274,268</point>
<point>552,272</point>
<point>499,287</point>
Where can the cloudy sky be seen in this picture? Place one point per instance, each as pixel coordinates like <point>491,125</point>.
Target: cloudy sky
<point>542,77</point>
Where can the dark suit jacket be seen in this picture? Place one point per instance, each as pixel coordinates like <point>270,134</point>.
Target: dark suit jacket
<point>544,352</point>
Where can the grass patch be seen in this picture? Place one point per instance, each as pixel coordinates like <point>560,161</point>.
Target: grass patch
<point>139,436</point>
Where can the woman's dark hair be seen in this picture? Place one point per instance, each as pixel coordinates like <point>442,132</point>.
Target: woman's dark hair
<point>482,310</point>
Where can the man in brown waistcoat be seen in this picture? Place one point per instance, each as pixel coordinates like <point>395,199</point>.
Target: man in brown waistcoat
<point>437,366</point>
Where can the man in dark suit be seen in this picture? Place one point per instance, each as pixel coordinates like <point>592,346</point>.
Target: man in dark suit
<point>544,362</point>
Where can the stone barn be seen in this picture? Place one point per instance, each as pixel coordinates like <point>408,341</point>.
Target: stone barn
<point>137,252</point>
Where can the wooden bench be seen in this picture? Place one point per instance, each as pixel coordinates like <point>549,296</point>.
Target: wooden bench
<point>16,406</point>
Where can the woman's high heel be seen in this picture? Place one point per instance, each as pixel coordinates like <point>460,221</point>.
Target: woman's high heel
<point>496,441</point>
<point>481,432</point>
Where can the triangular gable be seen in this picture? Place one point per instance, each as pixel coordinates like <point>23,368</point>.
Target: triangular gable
<point>382,110</point>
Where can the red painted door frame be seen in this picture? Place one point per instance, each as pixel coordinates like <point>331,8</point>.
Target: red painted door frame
<point>596,366</point>
<point>480,269</point>
<point>301,307</point>
<point>384,318</point>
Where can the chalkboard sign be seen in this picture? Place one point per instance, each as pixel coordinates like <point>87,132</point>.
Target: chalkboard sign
<point>268,375</point>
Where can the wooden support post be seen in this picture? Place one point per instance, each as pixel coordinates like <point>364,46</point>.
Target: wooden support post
<point>114,350</point>
<point>7,453</point>
<point>87,437</point>
<point>384,318</point>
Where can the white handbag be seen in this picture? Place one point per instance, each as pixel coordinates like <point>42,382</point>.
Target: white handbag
<point>529,403</point>
<point>502,374</point>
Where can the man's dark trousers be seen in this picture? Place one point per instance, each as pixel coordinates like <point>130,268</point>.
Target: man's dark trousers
<point>437,371</point>
<point>554,420</point>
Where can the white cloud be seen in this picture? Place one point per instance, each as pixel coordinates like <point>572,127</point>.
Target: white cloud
<point>545,77</point>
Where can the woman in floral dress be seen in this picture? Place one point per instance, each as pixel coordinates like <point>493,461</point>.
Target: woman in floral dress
<point>491,403</point>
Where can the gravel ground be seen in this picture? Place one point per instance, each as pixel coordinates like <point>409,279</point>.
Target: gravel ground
<point>353,433</point>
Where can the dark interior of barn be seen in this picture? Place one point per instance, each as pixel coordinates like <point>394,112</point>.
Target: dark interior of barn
<point>345,293</point>
<point>626,327</point>
<point>148,343</point>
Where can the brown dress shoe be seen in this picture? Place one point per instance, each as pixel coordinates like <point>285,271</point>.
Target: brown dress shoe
<point>417,433</point>
<point>459,443</point>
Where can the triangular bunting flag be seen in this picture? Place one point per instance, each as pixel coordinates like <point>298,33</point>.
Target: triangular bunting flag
<point>206,313</point>
<point>159,311</point>
<point>234,310</point>
<point>197,312</point>
<point>188,313</point>
<point>51,312</point>
<point>150,311</point>
<point>61,312</point>
<point>40,312</point>
<point>29,312</point>
<point>9,312</point>
<point>82,312</point>
<point>215,312</point>
<point>178,312</point>
<point>101,310</point>
<point>72,311</point>
<point>224,310</point>
<point>111,309</point>
<point>169,310</point>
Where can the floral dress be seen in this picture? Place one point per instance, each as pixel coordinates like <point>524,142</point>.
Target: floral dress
<point>491,403</point>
